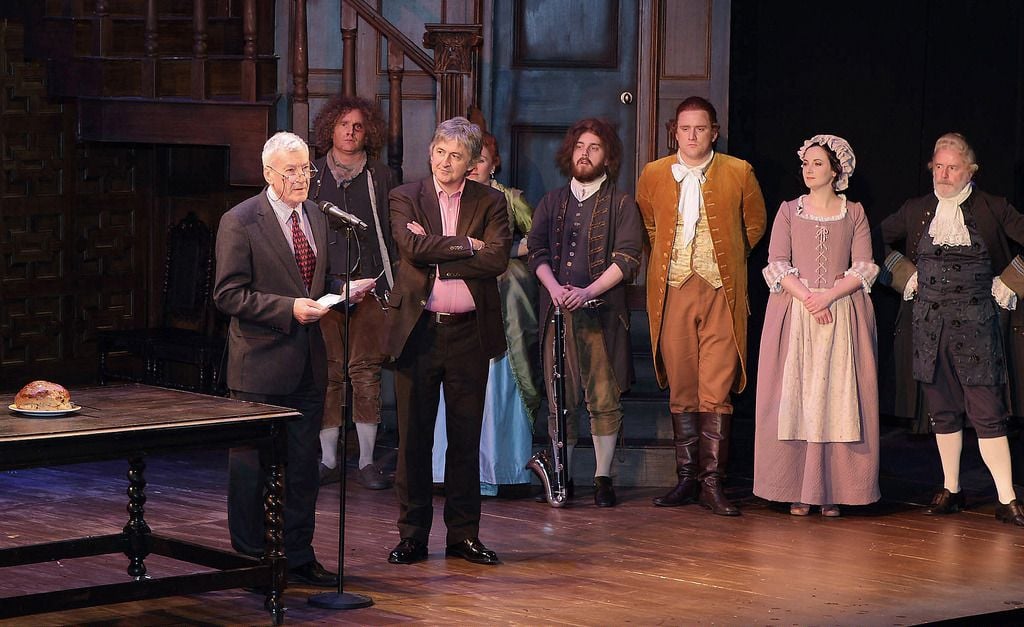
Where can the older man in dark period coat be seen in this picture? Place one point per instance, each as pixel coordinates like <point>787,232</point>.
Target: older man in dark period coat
<point>949,248</point>
<point>445,324</point>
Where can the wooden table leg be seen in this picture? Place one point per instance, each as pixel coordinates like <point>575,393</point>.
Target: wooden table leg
<point>137,531</point>
<point>273,551</point>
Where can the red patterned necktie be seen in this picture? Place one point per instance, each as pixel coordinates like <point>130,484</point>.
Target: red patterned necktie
<point>304,255</point>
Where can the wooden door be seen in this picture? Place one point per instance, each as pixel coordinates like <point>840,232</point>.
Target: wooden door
<point>556,62</point>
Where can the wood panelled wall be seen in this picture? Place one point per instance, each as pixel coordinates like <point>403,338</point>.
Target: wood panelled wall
<point>73,241</point>
<point>83,225</point>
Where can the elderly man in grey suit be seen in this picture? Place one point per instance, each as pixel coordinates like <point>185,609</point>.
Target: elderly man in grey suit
<point>271,268</point>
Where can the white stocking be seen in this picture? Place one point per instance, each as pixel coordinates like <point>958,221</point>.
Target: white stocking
<point>366,432</point>
<point>604,452</point>
<point>329,447</point>
<point>996,453</point>
<point>950,446</point>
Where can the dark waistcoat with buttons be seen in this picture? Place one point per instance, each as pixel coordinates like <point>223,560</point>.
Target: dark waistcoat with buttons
<point>954,297</point>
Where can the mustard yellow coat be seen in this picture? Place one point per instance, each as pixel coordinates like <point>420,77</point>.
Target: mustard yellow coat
<point>736,217</point>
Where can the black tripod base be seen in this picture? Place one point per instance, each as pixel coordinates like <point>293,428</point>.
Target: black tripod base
<point>340,601</point>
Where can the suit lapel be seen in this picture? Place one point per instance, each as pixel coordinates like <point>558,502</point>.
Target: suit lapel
<point>431,208</point>
<point>468,207</point>
<point>273,237</point>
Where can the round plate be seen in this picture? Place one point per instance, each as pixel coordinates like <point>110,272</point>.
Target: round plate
<point>44,413</point>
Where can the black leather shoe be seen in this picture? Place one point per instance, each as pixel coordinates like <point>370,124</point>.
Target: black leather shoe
<point>313,574</point>
<point>408,551</point>
<point>604,493</point>
<point>1011,513</point>
<point>945,502</point>
<point>472,550</point>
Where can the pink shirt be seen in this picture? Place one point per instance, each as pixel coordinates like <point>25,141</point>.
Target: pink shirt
<point>449,295</point>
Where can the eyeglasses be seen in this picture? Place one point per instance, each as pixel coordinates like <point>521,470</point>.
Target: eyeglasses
<point>292,174</point>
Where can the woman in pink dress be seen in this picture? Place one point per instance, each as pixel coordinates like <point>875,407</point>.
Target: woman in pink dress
<point>816,439</point>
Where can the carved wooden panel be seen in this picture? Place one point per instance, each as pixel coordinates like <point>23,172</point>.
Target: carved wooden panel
<point>72,244</point>
<point>566,33</point>
<point>685,39</point>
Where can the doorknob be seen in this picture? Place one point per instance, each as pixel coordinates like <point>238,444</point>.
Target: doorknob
<point>626,97</point>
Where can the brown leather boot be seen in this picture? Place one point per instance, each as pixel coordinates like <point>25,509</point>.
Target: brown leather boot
<point>714,457</point>
<point>684,429</point>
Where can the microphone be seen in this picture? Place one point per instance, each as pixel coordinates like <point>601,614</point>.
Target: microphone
<point>333,210</point>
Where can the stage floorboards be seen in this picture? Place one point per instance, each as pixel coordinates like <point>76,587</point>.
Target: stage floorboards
<point>632,564</point>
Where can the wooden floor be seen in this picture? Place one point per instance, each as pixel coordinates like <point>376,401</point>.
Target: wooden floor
<point>633,564</point>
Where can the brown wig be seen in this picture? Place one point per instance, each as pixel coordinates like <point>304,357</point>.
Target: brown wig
<point>338,106</point>
<point>609,139</point>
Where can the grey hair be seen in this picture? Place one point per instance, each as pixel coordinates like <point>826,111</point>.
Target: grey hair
<point>282,141</point>
<point>957,143</point>
<point>463,131</point>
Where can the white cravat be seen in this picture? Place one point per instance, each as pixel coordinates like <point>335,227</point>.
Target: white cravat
<point>690,180</point>
<point>947,227</point>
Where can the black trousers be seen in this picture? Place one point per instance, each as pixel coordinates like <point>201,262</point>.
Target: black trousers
<point>434,355</point>
<point>302,477</point>
<point>948,399</point>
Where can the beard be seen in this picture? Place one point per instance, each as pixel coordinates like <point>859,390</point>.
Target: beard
<point>584,171</point>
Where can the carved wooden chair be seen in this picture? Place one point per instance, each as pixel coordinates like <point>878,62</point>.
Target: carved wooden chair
<point>186,340</point>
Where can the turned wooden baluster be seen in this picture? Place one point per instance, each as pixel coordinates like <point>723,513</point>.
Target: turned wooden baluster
<point>396,70</point>
<point>349,30</point>
<point>300,74</point>
<point>249,51</point>
<point>453,46</point>
<point>199,54</point>
<point>101,29</point>
<point>151,46</point>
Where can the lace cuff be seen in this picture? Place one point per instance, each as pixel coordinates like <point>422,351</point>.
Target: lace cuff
<point>775,271</point>
<point>911,289</point>
<point>866,271</point>
<point>1004,296</point>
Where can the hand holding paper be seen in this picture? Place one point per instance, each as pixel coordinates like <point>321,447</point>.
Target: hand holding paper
<point>358,290</point>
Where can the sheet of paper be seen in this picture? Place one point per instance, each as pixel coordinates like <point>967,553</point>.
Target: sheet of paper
<point>358,286</point>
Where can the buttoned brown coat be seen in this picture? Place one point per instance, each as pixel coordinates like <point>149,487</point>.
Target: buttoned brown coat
<point>736,216</point>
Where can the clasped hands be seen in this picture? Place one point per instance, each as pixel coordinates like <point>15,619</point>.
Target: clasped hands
<point>817,304</point>
<point>570,297</point>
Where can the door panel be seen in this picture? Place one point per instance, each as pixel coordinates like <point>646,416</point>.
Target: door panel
<point>556,62</point>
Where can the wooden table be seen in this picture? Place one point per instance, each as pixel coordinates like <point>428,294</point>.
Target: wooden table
<point>130,422</point>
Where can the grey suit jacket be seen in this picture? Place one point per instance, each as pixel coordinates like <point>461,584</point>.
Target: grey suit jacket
<point>256,284</point>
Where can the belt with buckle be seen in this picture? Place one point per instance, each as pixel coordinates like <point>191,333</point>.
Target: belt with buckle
<point>440,317</point>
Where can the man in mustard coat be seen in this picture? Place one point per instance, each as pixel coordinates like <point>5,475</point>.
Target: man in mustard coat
<point>703,212</point>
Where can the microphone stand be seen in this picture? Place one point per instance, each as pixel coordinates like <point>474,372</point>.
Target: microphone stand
<point>339,599</point>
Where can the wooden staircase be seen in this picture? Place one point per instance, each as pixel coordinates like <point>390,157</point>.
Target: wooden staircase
<point>206,70</point>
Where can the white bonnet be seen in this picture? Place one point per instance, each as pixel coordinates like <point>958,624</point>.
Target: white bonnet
<point>841,148</point>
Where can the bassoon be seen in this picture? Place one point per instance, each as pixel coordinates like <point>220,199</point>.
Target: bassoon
<point>553,469</point>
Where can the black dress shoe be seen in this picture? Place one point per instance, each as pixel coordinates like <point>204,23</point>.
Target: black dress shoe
<point>472,550</point>
<point>945,502</point>
<point>313,574</point>
<point>604,493</point>
<point>1011,513</point>
<point>408,551</point>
